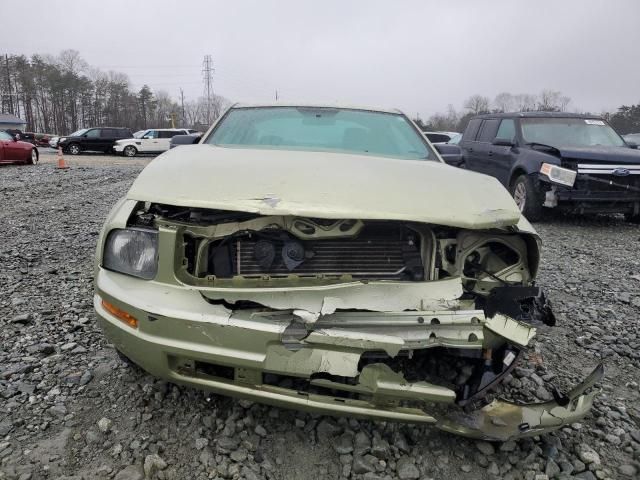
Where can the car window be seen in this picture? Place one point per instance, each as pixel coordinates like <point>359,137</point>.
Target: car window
<point>5,136</point>
<point>151,134</point>
<point>437,137</point>
<point>507,129</point>
<point>168,133</point>
<point>109,133</point>
<point>322,129</point>
<point>95,133</point>
<point>472,130</point>
<point>488,130</point>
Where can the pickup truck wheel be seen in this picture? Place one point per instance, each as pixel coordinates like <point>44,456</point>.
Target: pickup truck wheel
<point>527,197</point>
<point>74,149</point>
<point>130,151</point>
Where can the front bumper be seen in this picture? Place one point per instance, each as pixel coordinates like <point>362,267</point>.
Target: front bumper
<point>185,339</point>
<point>118,148</point>
<point>595,194</point>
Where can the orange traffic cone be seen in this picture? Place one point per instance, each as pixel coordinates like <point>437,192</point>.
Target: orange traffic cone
<point>61,163</point>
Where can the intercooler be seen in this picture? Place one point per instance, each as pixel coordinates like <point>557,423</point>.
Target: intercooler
<point>376,253</point>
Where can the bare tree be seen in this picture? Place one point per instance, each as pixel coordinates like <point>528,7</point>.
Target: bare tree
<point>504,102</point>
<point>525,102</point>
<point>477,104</point>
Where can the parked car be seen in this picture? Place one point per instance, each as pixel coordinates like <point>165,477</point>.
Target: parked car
<point>16,151</point>
<point>100,139</point>
<point>326,259</point>
<point>188,139</point>
<point>632,138</point>
<point>576,163</point>
<point>455,140</point>
<point>53,142</point>
<point>153,140</point>
<point>440,137</point>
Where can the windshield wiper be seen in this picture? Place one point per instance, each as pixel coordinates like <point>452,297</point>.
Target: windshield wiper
<point>536,144</point>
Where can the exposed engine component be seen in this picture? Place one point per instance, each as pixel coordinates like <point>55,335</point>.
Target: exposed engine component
<point>379,251</point>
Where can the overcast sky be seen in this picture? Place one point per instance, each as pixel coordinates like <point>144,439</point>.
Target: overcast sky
<point>419,56</point>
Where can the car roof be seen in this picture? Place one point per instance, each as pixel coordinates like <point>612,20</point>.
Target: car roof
<point>537,115</point>
<point>317,105</point>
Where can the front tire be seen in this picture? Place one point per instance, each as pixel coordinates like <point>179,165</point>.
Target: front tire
<point>33,159</point>
<point>528,197</point>
<point>130,151</point>
<point>74,149</point>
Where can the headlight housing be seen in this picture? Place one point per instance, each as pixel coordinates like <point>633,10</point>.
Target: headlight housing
<point>563,176</point>
<point>132,252</point>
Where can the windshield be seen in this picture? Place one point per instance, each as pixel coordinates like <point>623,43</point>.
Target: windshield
<point>569,132</point>
<point>321,129</point>
<point>139,133</point>
<point>5,136</point>
<point>82,131</point>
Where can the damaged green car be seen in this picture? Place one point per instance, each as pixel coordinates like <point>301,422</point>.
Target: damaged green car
<point>326,259</point>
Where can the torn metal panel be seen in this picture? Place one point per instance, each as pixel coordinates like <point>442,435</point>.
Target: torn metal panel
<point>381,381</point>
<point>376,296</point>
<point>307,361</point>
<point>361,341</point>
<point>510,329</point>
<point>502,420</point>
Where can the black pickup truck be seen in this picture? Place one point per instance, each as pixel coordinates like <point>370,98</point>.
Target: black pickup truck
<point>576,163</point>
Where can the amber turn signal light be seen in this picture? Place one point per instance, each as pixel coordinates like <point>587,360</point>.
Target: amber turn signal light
<point>120,314</point>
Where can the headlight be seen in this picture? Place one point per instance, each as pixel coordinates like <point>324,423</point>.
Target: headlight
<point>63,139</point>
<point>133,252</point>
<point>560,175</point>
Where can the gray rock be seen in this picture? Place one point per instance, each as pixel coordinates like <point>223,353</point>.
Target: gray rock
<point>406,468</point>
<point>485,447</point>
<point>327,429</point>
<point>628,470</point>
<point>552,469</point>
<point>104,425</point>
<point>343,444</point>
<point>152,464</point>
<point>380,448</point>
<point>131,472</point>
<point>362,465</point>
<point>201,443</point>
<point>23,318</point>
<point>588,455</point>
<point>585,476</point>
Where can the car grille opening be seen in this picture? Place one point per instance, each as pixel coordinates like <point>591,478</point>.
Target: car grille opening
<point>380,251</point>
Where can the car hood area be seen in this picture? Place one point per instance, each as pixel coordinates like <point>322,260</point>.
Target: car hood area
<point>325,185</point>
<point>602,154</point>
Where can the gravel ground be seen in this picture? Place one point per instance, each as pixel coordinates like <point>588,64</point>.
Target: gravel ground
<point>70,409</point>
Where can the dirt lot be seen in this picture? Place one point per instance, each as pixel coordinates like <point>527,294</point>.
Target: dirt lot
<point>70,409</point>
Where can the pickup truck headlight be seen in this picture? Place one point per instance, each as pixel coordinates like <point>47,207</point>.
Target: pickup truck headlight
<point>132,252</point>
<point>560,175</point>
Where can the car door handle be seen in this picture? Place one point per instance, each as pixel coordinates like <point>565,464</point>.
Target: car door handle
<point>471,149</point>
<point>490,153</point>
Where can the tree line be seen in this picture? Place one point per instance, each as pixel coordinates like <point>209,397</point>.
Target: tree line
<point>625,120</point>
<point>61,94</point>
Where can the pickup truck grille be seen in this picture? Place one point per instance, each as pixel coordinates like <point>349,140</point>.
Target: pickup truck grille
<point>602,177</point>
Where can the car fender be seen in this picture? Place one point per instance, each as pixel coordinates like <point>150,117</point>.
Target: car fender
<point>529,162</point>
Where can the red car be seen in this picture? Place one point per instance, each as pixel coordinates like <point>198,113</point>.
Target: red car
<point>12,150</point>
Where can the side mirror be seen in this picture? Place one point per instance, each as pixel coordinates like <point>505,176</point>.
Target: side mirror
<point>451,154</point>
<point>84,136</point>
<point>502,142</point>
<point>633,145</point>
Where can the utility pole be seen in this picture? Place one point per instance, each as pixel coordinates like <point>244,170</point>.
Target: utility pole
<point>207,76</point>
<point>184,121</point>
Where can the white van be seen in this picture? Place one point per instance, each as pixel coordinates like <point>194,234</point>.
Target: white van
<point>152,140</point>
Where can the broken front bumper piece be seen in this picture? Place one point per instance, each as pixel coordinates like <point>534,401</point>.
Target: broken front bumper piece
<point>344,362</point>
